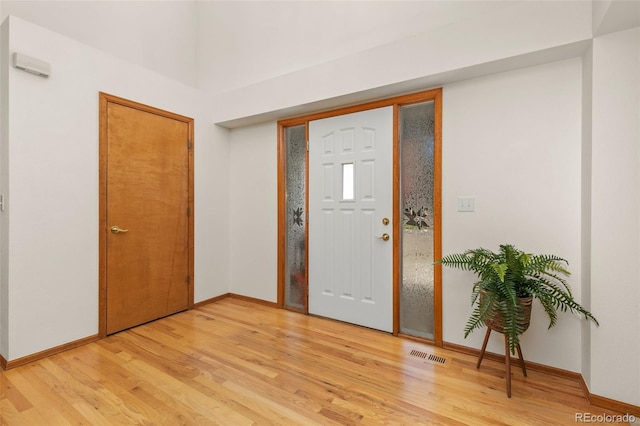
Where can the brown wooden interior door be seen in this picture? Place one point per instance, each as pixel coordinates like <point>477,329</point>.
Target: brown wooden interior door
<point>147,195</point>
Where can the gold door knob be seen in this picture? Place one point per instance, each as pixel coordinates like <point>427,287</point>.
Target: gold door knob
<point>385,221</point>
<point>385,237</point>
<point>117,230</point>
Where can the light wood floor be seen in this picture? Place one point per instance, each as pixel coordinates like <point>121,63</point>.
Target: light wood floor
<point>233,363</point>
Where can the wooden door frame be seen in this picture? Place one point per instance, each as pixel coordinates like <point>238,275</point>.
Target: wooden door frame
<point>434,95</point>
<point>104,100</point>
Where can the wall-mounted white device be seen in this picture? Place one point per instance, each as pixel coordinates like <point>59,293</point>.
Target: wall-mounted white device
<point>466,203</point>
<point>31,65</point>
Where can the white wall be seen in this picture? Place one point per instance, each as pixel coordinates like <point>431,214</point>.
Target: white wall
<point>586,161</point>
<point>240,45</point>
<point>52,257</point>
<point>599,12</point>
<point>158,35</point>
<point>513,141</point>
<point>253,211</point>
<point>615,227</point>
<point>521,34</point>
<point>4,183</point>
<point>611,16</point>
<point>211,226</point>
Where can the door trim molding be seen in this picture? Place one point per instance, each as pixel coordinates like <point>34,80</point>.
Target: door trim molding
<point>434,95</point>
<point>104,100</point>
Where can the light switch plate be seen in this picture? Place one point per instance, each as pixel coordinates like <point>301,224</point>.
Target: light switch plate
<point>466,204</point>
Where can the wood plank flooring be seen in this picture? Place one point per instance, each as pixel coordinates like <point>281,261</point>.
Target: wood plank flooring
<point>239,363</point>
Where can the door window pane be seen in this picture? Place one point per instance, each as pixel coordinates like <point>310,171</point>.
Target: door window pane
<point>347,181</point>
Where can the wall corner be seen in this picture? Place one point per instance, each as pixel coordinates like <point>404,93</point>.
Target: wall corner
<point>4,188</point>
<point>585,232</point>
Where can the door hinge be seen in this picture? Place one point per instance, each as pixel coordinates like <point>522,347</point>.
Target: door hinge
<point>188,280</point>
<point>307,146</point>
<point>188,211</point>
<point>188,143</point>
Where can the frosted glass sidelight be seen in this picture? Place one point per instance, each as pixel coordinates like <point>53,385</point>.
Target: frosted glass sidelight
<point>296,273</point>
<point>416,177</point>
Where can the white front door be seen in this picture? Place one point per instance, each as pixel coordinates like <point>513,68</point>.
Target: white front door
<point>350,200</point>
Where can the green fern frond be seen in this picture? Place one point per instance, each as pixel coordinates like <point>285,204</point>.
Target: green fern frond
<point>508,274</point>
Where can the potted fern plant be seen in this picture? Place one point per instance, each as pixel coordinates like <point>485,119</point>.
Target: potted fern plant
<point>508,280</point>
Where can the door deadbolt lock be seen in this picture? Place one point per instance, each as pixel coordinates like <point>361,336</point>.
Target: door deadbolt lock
<point>385,221</point>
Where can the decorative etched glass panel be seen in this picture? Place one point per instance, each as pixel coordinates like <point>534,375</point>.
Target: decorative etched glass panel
<point>296,274</point>
<point>416,176</point>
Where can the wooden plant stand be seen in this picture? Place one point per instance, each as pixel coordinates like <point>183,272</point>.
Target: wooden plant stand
<point>507,358</point>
